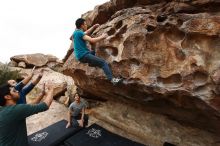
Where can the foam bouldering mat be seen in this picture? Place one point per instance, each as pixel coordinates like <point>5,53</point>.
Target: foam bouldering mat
<point>52,135</point>
<point>96,135</point>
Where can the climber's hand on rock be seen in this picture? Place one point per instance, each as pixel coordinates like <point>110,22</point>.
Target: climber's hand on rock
<point>96,25</point>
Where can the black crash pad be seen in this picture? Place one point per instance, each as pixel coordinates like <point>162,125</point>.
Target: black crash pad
<point>52,135</point>
<point>96,135</point>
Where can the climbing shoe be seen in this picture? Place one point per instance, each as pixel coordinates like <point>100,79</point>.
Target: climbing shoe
<point>115,81</point>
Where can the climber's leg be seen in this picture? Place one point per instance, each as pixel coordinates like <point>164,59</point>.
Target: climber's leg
<point>96,61</point>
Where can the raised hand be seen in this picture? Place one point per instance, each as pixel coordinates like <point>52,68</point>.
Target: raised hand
<point>29,77</point>
<point>49,95</point>
<point>32,71</point>
<point>41,72</point>
<point>38,78</point>
<point>50,88</point>
<point>96,25</point>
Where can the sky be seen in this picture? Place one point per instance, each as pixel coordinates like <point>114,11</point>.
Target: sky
<point>39,26</point>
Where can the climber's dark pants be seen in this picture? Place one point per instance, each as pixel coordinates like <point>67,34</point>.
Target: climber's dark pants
<point>93,60</point>
<point>75,122</point>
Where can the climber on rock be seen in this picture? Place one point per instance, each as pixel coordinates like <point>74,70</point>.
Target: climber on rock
<point>84,55</point>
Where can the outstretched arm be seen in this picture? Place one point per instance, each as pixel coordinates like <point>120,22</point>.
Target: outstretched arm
<point>91,29</point>
<point>69,119</point>
<point>24,110</point>
<point>94,40</point>
<point>39,98</point>
<point>28,78</point>
<point>82,117</point>
<point>35,81</point>
<point>30,86</point>
<point>49,96</point>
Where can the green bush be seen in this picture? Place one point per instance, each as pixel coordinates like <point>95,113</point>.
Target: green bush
<point>6,74</point>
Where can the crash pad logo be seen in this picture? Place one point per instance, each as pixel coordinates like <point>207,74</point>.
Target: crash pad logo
<point>39,137</point>
<point>95,133</point>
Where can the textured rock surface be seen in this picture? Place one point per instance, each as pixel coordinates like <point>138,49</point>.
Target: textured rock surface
<point>37,59</point>
<point>22,64</point>
<point>150,129</point>
<point>13,63</point>
<point>63,100</point>
<point>168,53</point>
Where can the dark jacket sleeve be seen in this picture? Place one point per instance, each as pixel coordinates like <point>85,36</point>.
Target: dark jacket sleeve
<point>19,86</point>
<point>22,111</point>
<point>28,88</point>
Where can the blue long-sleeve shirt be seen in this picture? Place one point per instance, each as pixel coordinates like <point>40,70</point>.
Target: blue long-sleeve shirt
<point>23,91</point>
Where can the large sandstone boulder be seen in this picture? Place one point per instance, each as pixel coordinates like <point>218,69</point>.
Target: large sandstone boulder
<point>168,53</point>
<point>37,59</point>
<point>150,129</point>
<point>13,63</point>
<point>69,52</point>
<point>102,13</point>
<point>22,64</point>
<point>216,77</point>
<point>63,100</point>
